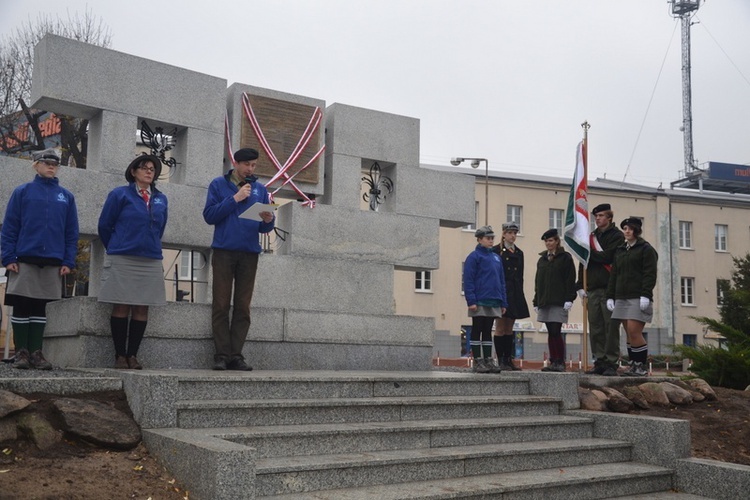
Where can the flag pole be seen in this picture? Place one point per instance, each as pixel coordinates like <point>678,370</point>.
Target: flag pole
<point>585,301</point>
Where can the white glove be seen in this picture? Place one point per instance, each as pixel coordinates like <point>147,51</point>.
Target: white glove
<point>644,303</point>
<point>611,304</point>
<point>568,306</point>
<point>536,309</point>
<point>581,293</point>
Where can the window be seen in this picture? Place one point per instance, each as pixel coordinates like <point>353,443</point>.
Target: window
<point>190,261</point>
<point>556,218</point>
<point>462,277</point>
<point>722,286</point>
<point>513,214</point>
<point>687,289</point>
<point>473,226</point>
<point>720,237</point>
<point>686,234</point>
<point>423,281</point>
<point>689,339</point>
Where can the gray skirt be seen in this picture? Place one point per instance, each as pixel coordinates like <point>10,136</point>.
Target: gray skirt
<point>135,281</point>
<point>489,312</point>
<point>552,314</point>
<point>34,282</point>
<point>631,309</point>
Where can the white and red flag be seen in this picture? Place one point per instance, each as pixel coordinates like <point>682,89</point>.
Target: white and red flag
<point>576,233</point>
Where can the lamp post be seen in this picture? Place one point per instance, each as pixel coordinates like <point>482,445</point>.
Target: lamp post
<point>475,164</point>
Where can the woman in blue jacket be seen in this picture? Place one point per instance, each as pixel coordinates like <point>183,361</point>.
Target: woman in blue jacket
<point>484,289</point>
<point>131,226</point>
<point>39,242</point>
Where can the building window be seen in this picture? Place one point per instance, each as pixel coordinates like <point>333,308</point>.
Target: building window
<point>689,339</point>
<point>190,261</point>
<point>722,286</point>
<point>687,289</point>
<point>473,226</point>
<point>720,237</point>
<point>423,281</point>
<point>556,218</point>
<point>513,214</point>
<point>462,277</point>
<point>686,234</point>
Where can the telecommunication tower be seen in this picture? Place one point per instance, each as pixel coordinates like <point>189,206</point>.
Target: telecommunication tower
<point>684,10</point>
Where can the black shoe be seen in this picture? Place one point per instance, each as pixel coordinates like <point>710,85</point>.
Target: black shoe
<point>610,371</point>
<point>220,364</point>
<point>508,365</point>
<point>239,365</point>
<point>598,369</point>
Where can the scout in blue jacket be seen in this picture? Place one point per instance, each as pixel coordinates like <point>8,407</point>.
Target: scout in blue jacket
<point>236,247</point>
<point>39,242</point>
<point>484,289</point>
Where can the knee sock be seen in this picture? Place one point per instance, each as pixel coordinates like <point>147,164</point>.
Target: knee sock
<point>640,353</point>
<point>498,341</point>
<point>119,327</point>
<point>509,344</point>
<point>36,332</point>
<point>137,329</point>
<point>20,332</point>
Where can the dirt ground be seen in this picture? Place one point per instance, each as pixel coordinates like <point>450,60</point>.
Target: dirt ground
<point>73,470</point>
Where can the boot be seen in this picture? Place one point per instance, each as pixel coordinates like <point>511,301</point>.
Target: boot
<point>507,364</point>
<point>22,361</point>
<point>39,362</point>
<point>637,369</point>
<point>480,366</point>
<point>493,366</point>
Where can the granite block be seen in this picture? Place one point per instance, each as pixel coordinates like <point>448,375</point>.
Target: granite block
<point>657,441</point>
<point>210,468</point>
<point>232,387</point>
<point>477,408</point>
<point>356,235</point>
<point>111,83</point>
<point>487,387</point>
<point>324,285</point>
<point>712,479</point>
<point>112,143</point>
<point>446,196</point>
<point>375,135</point>
<point>343,181</point>
<point>152,398</point>
<point>561,385</point>
<point>200,154</point>
<point>528,430</point>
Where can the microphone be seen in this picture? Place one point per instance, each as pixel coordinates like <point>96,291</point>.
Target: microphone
<point>248,180</point>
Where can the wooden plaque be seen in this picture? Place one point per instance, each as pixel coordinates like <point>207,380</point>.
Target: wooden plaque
<point>282,124</point>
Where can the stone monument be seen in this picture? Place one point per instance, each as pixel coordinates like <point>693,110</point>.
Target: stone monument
<point>324,296</point>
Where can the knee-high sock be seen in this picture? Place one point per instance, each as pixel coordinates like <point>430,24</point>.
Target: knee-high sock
<point>137,329</point>
<point>36,332</point>
<point>640,353</point>
<point>119,327</point>
<point>20,332</point>
<point>508,345</point>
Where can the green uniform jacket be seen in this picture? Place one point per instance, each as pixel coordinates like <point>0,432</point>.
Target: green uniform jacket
<point>634,271</point>
<point>555,282</point>
<point>598,274</point>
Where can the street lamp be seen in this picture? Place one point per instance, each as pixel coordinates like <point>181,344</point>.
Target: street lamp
<point>475,164</point>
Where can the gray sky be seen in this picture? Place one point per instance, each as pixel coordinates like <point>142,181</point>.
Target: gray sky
<point>510,81</point>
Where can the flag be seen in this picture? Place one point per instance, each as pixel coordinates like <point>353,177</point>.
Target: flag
<point>576,233</point>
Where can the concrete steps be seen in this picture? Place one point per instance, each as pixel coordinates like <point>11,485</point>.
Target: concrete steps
<point>415,435</point>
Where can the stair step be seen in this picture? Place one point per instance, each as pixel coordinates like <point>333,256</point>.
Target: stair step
<point>248,386</point>
<point>579,482</point>
<point>248,412</point>
<point>295,440</point>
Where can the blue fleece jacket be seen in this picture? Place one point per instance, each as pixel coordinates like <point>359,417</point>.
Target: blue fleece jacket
<point>41,221</point>
<point>484,278</point>
<point>127,226</point>
<point>222,212</point>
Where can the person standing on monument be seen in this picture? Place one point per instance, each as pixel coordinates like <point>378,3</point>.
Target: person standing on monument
<point>630,292</point>
<point>554,293</point>
<point>39,241</point>
<point>512,259</point>
<point>484,290</point>
<point>236,247</point>
<point>131,226</point>
<point>604,332</point>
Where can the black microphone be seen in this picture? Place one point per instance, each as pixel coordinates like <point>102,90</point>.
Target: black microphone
<point>248,180</point>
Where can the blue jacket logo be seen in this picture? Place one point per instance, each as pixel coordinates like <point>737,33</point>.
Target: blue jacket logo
<point>61,198</point>
<point>157,201</point>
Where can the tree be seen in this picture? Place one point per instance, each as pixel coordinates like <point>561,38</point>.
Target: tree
<point>21,126</point>
<point>729,364</point>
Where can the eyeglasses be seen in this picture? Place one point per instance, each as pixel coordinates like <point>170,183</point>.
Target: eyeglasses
<point>148,169</point>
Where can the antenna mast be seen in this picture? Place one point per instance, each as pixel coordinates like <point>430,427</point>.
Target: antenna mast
<point>684,9</point>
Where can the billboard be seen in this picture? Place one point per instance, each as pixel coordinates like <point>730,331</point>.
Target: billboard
<point>729,172</point>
